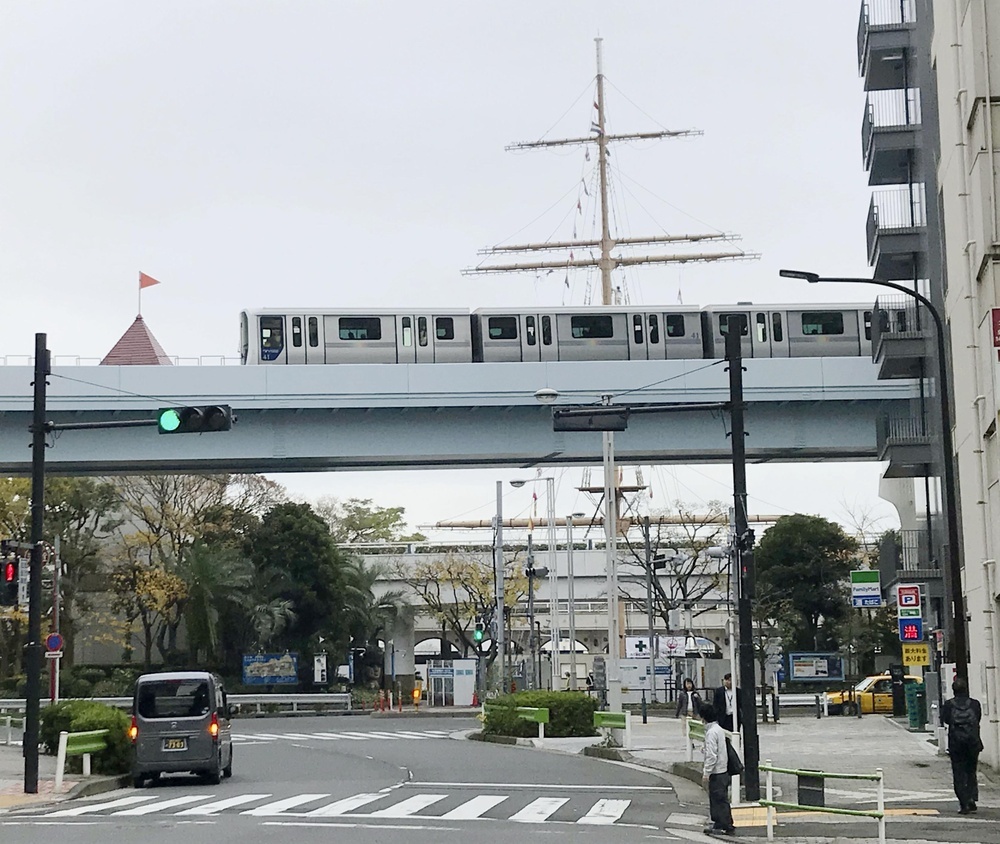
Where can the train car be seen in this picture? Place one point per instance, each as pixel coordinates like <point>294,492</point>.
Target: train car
<point>590,333</point>
<point>771,331</point>
<point>309,336</point>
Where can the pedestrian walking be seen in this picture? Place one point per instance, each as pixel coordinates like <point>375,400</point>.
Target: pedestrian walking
<point>688,701</point>
<point>727,702</point>
<point>962,715</point>
<point>715,774</point>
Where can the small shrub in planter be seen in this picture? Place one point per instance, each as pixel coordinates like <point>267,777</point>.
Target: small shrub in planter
<point>77,716</point>
<point>570,714</point>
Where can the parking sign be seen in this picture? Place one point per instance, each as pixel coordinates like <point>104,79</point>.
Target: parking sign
<point>908,596</point>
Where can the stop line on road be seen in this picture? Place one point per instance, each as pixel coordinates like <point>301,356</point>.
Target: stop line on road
<point>341,735</point>
<point>576,808</point>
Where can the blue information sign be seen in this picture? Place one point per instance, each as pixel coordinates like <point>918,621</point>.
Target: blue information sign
<point>270,669</point>
<point>911,629</point>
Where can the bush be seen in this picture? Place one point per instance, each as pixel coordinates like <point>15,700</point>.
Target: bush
<point>77,716</point>
<point>570,714</point>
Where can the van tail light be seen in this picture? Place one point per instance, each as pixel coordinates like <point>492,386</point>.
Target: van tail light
<point>213,727</point>
<point>133,731</point>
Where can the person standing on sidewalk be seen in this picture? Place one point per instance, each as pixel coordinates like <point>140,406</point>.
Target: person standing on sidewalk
<point>962,714</point>
<point>715,774</point>
<point>726,701</point>
<point>688,701</point>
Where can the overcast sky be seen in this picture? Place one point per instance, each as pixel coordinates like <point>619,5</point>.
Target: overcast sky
<point>311,154</point>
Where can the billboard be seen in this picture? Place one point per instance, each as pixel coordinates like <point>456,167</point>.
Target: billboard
<point>817,667</point>
<point>270,669</point>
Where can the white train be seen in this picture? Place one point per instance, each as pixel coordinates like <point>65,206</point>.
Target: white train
<point>329,336</point>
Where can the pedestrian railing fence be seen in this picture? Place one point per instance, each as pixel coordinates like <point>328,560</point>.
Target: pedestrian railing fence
<point>607,722</point>
<point>246,703</point>
<point>877,814</point>
<point>537,715</point>
<point>11,723</point>
<point>78,744</point>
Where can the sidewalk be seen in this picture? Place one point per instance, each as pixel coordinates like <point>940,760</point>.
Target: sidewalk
<point>12,794</point>
<point>920,803</point>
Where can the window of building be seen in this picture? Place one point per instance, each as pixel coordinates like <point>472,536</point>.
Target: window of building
<point>591,327</point>
<point>444,328</point>
<point>502,328</point>
<point>822,323</point>
<point>360,328</point>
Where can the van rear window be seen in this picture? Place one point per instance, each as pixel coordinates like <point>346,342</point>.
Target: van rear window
<point>173,699</point>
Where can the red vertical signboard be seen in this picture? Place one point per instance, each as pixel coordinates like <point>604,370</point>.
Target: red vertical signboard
<point>995,314</point>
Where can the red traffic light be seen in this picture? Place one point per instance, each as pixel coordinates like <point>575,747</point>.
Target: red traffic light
<point>9,572</point>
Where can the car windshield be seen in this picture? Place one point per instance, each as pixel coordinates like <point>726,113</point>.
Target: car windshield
<point>172,698</point>
<point>865,684</point>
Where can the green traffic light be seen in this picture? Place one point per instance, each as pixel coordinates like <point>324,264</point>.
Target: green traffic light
<point>170,420</point>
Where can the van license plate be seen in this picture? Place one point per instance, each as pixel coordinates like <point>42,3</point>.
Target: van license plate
<point>175,744</point>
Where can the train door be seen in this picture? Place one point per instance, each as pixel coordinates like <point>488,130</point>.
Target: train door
<point>768,336</point>
<point>638,340</point>
<point>407,331</point>
<point>721,328</point>
<point>531,337</point>
<point>304,342</point>
<point>272,338</point>
<point>548,348</point>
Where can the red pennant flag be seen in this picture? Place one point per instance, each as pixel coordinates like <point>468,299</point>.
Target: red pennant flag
<point>146,281</point>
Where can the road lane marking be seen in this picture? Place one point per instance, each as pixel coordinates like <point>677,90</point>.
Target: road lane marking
<point>97,807</point>
<point>150,808</point>
<point>409,806</point>
<point>605,812</point>
<point>220,805</point>
<point>602,787</point>
<point>341,807</point>
<point>538,811</point>
<point>354,736</point>
<point>279,806</point>
<point>474,808</point>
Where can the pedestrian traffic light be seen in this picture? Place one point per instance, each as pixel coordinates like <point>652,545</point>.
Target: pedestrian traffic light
<point>479,632</point>
<point>8,583</point>
<point>195,420</point>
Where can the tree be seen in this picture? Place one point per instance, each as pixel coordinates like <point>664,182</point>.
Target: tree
<point>358,520</point>
<point>370,612</point>
<point>216,575</point>
<point>807,560</point>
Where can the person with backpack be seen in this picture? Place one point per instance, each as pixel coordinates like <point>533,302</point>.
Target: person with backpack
<point>715,776</point>
<point>962,715</point>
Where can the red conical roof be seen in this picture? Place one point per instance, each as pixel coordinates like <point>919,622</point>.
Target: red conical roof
<point>137,347</point>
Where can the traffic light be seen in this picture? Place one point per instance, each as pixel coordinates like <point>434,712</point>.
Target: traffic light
<point>479,632</point>
<point>195,420</point>
<point>8,583</point>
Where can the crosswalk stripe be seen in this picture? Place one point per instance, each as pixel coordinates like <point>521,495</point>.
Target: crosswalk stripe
<point>391,736</point>
<point>354,736</point>
<point>97,807</point>
<point>539,810</point>
<point>474,808</point>
<point>341,807</point>
<point>279,806</point>
<point>264,736</point>
<point>325,736</point>
<point>412,735</point>
<point>217,806</point>
<point>298,736</point>
<point>409,806</point>
<point>150,808</point>
<point>605,812</point>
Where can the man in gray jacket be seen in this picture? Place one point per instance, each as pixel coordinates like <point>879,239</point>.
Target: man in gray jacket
<point>715,774</point>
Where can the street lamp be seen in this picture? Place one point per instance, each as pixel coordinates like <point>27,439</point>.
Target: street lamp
<point>550,524</point>
<point>571,598</point>
<point>959,654</point>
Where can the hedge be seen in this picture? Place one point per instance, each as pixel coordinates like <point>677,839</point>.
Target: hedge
<point>77,716</point>
<point>570,714</point>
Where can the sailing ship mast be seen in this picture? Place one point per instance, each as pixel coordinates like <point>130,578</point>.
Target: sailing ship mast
<point>608,261</point>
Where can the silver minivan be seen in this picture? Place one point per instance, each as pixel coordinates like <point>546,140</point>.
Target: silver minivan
<point>180,723</point>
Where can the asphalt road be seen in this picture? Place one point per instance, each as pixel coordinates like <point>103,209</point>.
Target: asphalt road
<point>387,780</point>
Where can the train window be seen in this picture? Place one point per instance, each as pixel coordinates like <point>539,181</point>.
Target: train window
<point>591,327</point>
<point>530,336</point>
<point>822,322</point>
<point>675,325</point>
<point>868,325</point>
<point>407,324</point>
<point>422,330</point>
<point>724,324</point>
<point>637,329</point>
<point>503,328</point>
<point>900,321</point>
<point>313,331</point>
<point>761,328</point>
<point>654,329</point>
<point>297,331</point>
<point>360,328</point>
<point>444,328</point>
<point>546,331</point>
<point>777,333</point>
<point>271,333</point>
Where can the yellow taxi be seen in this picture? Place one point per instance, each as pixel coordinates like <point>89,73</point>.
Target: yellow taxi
<point>873,693</point>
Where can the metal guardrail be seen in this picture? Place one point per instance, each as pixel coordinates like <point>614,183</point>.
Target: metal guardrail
<point>340,701</point>
<point>9,728</point>
<point>772,804</point>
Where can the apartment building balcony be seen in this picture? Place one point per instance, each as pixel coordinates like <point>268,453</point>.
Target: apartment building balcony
<point>908,556</point>
<point>885,36</point>
<point>897,232</point>
<point>890,134</point>
<point>901,337</point>
<point>905,442</point>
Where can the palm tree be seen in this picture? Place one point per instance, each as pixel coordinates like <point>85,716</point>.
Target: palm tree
<point>369,614</point>
<point>216,575</point>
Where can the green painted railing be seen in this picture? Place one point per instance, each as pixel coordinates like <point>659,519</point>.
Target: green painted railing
<point>78,744</point>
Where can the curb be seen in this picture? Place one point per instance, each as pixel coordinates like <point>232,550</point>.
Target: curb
<point>249,716</point>
<point>98,785</point>
<point>433,713</point>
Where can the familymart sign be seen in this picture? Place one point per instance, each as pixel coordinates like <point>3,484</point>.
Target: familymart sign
<point>866,591</point>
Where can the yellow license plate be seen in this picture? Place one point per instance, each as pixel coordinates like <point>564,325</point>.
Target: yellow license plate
<point>175,744</point>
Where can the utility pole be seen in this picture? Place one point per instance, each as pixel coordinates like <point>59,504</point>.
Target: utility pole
<point>743,542</point>
<point>531,614</point>
<point>607,261</point>
<point>501,616</point>
<point>649,608</point>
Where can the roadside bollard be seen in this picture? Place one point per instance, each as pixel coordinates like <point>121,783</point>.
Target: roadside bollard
<point>644,706</point>
<point>819,708</point>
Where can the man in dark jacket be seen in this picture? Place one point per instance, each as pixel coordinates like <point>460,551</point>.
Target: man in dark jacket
<point>962,715</point>
<point>726,702</point>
